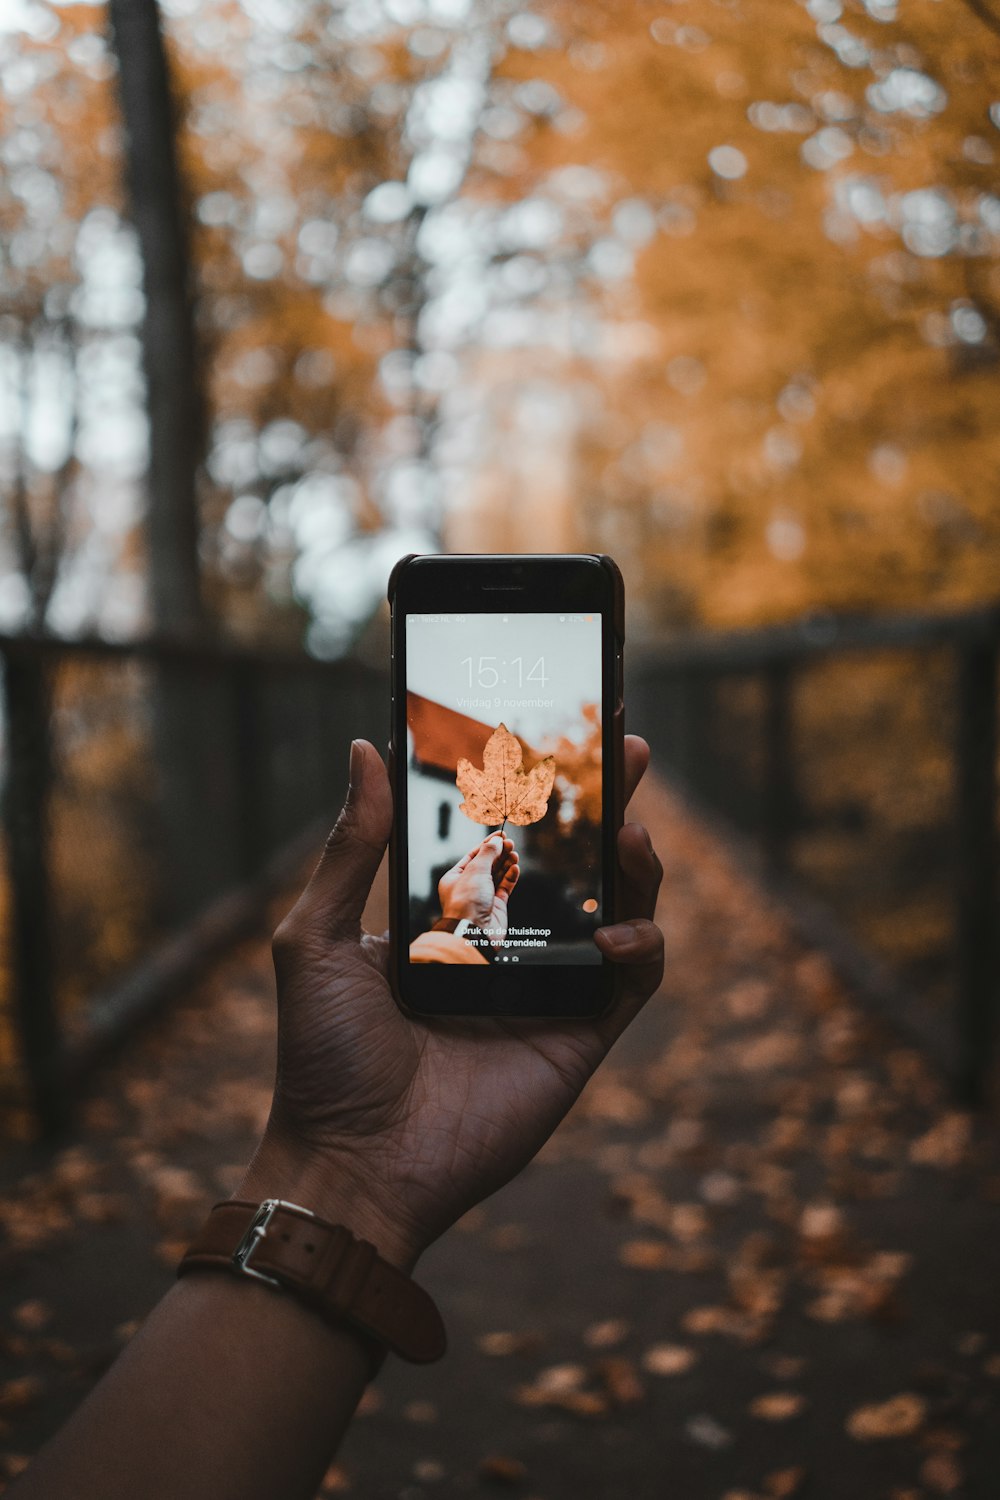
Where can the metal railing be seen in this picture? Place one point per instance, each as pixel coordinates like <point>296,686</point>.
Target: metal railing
<point>235,758</point>
<point>756,775</point>
<point>225,764</point>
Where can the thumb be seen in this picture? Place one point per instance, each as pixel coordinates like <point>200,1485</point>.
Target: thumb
<point>335,896</point>
<point>487,852</point>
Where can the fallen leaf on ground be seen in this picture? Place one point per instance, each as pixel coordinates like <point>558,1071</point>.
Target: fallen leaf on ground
<point>689,1221</point>
<point>725,1320</point>
<point>32,1315</point>
<point>898,1417</point>
<point>642,1197</point>
<point>946,1143</point>
<point>498,1469</point>
<point>577,1403</point>
<point>420,1411</point>
<point>611,1099</point>
<point>775,1049</point>
<point>472,1220</point>
<point>20,1392</point>
<point>821,1225</point>
<point>777,1406</point>
<point>783,1366</point>
<point>720,1188</point>
<point>668,1359</point>
<point>170,1251</point>
<point>621,1380</point>
<point>707,1432</point>
<point>177,1191</point>
<point>499,1345</point>
<point>335,1481</point>
<point>942,1473</point>
<point>646,1255</point>
<point>428,1470</point>
<point>868,1290</point>
<point>564,1396</point>
<point>510,1237</point>
<point>757,1291</point>
<point>748,999</point>
<point>605,1335</point>
<point>557,1379</point>
<point>784,1483</point>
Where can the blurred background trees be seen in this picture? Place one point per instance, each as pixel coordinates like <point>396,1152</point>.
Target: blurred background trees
<point>707,284</point>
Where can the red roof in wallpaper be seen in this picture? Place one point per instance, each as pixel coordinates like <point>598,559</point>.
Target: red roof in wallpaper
<point>441,736</point>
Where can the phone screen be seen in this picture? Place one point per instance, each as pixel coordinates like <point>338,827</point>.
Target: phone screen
<point>504,787</point>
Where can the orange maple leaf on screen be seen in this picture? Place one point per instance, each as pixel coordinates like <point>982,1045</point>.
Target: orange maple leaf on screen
<point>503,791</point>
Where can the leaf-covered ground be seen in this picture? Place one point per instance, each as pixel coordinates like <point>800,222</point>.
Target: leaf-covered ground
<point>759,1260</point>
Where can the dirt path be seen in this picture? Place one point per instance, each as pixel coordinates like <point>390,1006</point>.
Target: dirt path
<point>759,1259</point>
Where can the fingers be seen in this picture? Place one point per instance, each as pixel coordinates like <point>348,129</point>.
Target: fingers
<point>335,896</point>
<point>640,873</point>
<point>505,861</point>
<point>508,880</point>
<point>636,761</point>
<point>637,946</point>
<point>634,942</point>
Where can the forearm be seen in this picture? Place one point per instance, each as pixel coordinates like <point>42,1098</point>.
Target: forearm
<point>230,1389</point>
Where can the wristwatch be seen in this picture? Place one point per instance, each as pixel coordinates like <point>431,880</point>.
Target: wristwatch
<point>343,1278</point>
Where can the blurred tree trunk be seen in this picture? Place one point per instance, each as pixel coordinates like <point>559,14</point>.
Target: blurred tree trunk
<point>194,749</point>
<point>176,418</point>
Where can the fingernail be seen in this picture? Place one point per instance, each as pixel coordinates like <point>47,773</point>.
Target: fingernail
<point>357,766</point>
<point>621,936</point>
<point>649,841</point>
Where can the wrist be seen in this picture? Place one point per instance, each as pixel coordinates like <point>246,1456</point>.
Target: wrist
<point>332,1187</point>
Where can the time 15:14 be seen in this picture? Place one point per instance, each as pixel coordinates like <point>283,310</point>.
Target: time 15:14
<point>487,674</point>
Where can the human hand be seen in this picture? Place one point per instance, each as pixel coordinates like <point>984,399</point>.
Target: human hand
<point>477,888</point>
<point>395,1127</point>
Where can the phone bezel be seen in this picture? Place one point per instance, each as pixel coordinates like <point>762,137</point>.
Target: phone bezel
<point>481,583</point>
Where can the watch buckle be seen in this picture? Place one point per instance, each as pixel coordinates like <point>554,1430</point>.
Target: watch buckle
<point>255,1232</point>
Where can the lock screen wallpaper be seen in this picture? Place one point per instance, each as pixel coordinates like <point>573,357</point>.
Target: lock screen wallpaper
<point>504,784</point>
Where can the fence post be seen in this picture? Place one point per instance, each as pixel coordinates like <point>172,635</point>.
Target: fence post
<point>778,796</point>
<point>25,811</point>
<point>977,948</point>
<point>250,760</point>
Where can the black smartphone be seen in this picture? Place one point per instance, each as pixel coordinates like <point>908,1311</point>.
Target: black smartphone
<point>506,765</point>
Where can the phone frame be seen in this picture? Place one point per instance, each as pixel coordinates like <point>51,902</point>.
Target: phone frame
<point>521,583</point>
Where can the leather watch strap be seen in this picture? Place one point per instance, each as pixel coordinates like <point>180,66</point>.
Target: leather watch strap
<point>342,1277</point>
